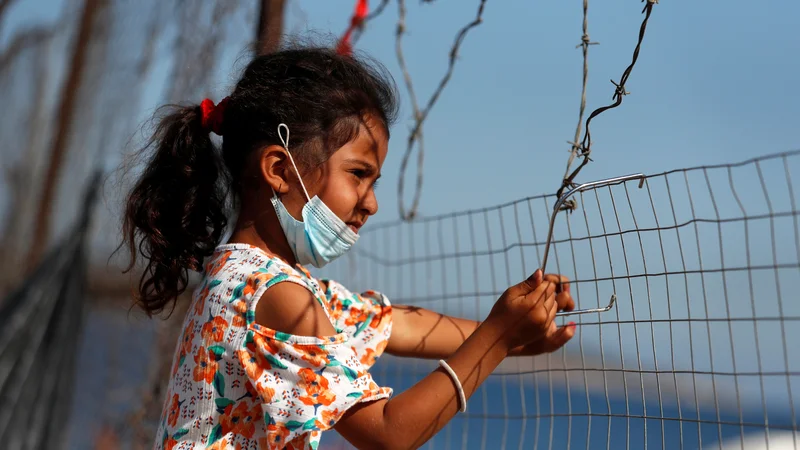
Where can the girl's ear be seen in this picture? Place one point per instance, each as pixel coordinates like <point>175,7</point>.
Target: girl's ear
<point>274,166</point>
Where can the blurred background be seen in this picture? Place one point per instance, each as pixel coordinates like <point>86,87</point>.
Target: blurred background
<point>715,83</point>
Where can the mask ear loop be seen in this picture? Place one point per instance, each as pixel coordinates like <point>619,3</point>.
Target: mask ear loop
<point>286,146</point>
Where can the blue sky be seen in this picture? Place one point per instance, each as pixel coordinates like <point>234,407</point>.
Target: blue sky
<point>716,82</point>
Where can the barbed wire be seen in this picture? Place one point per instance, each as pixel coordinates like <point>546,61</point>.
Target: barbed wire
<point>29,38</point>
<point>584,149</point>
<point>420,115</point>
<point>585,43</point>
<point>686,254</point>
<point>377,12</point>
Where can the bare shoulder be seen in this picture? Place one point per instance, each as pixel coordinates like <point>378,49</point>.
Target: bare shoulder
<point>292,308</point>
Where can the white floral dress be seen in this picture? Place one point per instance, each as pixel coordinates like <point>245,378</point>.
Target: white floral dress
<point>238,385</point>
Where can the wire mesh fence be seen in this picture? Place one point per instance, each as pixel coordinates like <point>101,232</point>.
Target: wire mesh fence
<point>700,348</point>
<point>40,324</point>
<point>699,351</point>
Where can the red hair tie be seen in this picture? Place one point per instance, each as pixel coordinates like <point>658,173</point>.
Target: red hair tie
<point>212,115</point>
<point>345,45</point>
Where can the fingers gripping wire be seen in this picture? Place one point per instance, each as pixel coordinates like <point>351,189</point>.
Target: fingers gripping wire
<point>562,200</point>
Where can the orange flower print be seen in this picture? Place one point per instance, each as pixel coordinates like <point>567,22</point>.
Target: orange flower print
<point>214,330</point>
<point>329,418</point>
<point>381,347</point>
<point>302,441</point>
<point>174,411</point>
<point>200,303</point>
<point>300,268</point>
<point>241,420</point>
<point>266,345</point>
<point>251,390</point>
<point>205,367</point>
<point>336,307</point>
<point>276,437</point>
<point>369,358</point>
<point>261,394</point>
<point>324,398</point>
<point>239,320</point>
<point>311,382</point>
<point>201,300</point>
<point>222,444</point>
<point>254,364</point>
<point>356,317</point>
<point>315,355</point>
<point>217,264</point>
<point>170,443</point>
<point>316,388</point>
<point>266,393</point>
<point>187,338</point>
<point>254,281</point>
<point>380,317</point>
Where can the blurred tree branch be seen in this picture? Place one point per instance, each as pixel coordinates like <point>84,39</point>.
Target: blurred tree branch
<point>4,4</point>
<point>23,40</point>
<point>63,127</point>
<point>270,26</point>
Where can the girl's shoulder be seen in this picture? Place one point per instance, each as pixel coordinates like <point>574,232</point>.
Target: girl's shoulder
<point>246,270</point>
<point>236,277</point>
<point>336,291</point>
<point>243,260</point>
<point>237,257</point>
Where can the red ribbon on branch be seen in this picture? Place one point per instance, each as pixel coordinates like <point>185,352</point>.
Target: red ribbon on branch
<point>345,46</point>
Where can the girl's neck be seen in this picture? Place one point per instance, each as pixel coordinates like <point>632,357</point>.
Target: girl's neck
<point>265,234</point>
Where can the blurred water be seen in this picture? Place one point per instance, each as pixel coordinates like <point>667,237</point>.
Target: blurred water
<point>510,411</point>
<point>496,418</point>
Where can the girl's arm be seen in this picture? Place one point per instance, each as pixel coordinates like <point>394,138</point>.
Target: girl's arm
<point>411,418</point>
<point>525,312</point>
<point>421,333</point>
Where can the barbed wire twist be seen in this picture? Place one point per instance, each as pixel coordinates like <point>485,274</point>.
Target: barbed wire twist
<point>377,12</point>
<point>420,115</point>
<point>584,149</point>
<point>571,204</point>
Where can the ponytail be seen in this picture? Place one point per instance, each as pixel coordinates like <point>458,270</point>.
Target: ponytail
<point>175,214</point>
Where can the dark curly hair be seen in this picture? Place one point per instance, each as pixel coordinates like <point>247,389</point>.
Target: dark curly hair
<point>177,211</point>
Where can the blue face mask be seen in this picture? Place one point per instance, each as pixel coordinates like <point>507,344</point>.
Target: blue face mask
<point>321,236</point>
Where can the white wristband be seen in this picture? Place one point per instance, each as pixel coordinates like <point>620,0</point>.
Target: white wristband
<point>462,399</point>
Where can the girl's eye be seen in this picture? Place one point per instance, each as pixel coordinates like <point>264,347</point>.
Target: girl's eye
<point>360,174</point>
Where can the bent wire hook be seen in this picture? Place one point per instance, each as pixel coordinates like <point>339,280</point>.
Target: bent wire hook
<point>559,203</point>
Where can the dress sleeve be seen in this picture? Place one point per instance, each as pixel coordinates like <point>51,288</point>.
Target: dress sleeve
<point>304,384</point>
<point>365,317</point>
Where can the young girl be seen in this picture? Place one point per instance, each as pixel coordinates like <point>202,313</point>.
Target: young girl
<point>269,356</point>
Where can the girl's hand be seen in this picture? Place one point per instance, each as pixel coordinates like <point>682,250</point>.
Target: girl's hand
<point>555,337</point>
<point>523,315</point>
<point>525,312</point>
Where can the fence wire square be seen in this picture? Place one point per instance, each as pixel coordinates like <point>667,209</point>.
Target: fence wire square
<point>700,350</point>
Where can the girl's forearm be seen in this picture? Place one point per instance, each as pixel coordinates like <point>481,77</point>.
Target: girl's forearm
<point>421,333</point>
<point>411,418</point>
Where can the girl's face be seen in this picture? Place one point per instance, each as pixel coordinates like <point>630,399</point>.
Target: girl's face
<point>346,181</point>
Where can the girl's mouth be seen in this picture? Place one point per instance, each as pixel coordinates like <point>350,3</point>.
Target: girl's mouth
<point>355,226</point>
